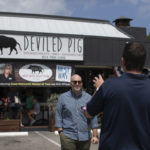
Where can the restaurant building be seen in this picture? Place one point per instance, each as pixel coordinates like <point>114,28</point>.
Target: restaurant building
<point>42,51</point>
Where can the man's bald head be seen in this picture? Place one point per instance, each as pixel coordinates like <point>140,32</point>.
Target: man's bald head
<point>76,84</point>
<point>76,77</point>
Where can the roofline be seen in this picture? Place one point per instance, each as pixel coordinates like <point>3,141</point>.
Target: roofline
<point>61,35</point>
<point>45,16</point>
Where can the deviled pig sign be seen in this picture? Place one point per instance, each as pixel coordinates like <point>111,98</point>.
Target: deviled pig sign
<point>35,72</point>
<point>41,47</point>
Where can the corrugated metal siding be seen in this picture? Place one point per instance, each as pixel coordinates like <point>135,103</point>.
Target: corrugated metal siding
<point>59,26</point>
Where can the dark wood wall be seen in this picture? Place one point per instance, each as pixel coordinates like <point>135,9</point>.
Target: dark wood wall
<point>107,51</point>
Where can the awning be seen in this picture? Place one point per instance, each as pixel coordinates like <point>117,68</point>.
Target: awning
<point>59,25</point>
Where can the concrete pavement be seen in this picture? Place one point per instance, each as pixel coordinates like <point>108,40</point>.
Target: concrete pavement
<point>36,140</point>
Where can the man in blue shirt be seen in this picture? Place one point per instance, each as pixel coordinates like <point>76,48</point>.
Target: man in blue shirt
<point>125,103</point>
<point>72,124</point>
<point>35,111</point>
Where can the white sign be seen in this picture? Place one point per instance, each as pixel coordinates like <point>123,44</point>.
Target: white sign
<point>63,73</point>
<point>41,47</point>
<point>35,73</point>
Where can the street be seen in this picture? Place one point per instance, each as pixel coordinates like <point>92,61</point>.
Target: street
<point>36,140</point>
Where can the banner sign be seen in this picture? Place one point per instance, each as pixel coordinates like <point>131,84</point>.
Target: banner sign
<point>41,47</point>
<point>35,73</point>
<point>16,74</point>
<point>63,73</point>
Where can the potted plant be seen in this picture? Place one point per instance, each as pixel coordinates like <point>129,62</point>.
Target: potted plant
<point>52,102</point>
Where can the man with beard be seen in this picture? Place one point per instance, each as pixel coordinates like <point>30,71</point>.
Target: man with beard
<point>70,120</point>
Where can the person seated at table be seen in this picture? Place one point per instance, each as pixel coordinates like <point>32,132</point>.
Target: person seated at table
<point>29,101</point>
<point>12,93</point>
<point>2,107</point>
<point>5,101</point>
<point>19,109</point>
<point>33,112</point>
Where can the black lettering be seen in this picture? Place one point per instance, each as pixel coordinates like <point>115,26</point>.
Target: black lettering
<point>47,44</point>
<point>69,44</point>
<point>59,44</point>
<point>79,46</point>
<point>38,42</point>
<point>54,44</point>
<point>26,42</point>
<point>32,43</point>
<point>74,44</point>
<point>43,43</point>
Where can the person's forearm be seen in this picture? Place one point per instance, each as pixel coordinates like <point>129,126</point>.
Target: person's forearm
<point>95,133</point>
<point>94,139</point>
<point>87,114</point>
<point>59,129</point>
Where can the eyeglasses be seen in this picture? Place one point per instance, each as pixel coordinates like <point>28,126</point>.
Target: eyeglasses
<point>75,82</point>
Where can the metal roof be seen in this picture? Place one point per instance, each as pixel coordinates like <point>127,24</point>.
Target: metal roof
<point>58,25</point>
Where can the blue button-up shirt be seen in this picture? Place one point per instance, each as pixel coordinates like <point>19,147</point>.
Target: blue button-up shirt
<point>71,117</point>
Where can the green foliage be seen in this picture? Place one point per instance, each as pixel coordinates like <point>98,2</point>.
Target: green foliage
<point>52,102</point>
<point>148,36</point>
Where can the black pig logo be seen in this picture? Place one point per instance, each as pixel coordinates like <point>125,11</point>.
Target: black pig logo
<point>6,42</point>
<point>35,68</point>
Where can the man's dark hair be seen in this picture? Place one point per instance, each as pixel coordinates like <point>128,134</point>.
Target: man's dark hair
<point>36,98</point>
<point>134,55</point>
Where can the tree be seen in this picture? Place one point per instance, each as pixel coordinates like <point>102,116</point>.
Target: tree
<point>148,36</point>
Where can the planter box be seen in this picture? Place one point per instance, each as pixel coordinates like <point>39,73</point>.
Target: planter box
<point>9,125</point>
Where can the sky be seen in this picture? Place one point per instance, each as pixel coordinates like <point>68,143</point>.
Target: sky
<point>138,10</point>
